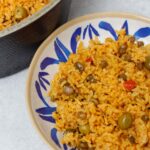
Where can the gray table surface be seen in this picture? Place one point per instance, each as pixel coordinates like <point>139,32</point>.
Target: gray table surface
<point>16,131</point>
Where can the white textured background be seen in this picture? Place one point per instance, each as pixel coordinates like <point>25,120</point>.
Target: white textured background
<point>16,131</point>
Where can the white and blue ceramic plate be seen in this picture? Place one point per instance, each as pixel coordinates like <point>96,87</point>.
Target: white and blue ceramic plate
<point>57,48</point>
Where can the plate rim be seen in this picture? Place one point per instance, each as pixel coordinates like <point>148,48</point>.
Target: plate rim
<point>49,39</point>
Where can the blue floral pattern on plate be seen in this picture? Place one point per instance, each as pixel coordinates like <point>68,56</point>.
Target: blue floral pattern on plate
<point>63,53</point>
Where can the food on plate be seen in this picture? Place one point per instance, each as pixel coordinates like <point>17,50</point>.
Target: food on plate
<point>103,95</point>
<point>13,11</point>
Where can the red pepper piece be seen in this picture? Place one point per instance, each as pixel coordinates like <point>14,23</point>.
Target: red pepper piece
<point>90,60</point>
<point>129,85</point>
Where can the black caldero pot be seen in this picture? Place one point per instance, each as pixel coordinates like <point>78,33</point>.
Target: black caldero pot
<point>19,42</point>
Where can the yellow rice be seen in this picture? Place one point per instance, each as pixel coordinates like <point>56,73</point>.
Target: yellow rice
<point>7,9</point>
<point>113,98</point>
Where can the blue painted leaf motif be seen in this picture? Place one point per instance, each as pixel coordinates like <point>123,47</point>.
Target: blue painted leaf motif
<point>143,32</point>
<point>42,84</point>
<point>65,147</point>
<point>46,110</point>
<point>90,33</point>
<point>42,80</point>
<point>62,47</point>
<point>48,118</point>
<point>84,32</point>
<point>38,89</point>
<point>74,41</point>
<point>42,74</point>
<point>59,53</point>
<point>48,61</point>
<point>94,30</point>
<point>107,26</point>
<point>45,80</point>
<point>125,26</point>
<point>54,137</point>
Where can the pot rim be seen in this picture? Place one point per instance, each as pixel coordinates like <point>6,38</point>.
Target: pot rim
<point>29,19</point>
